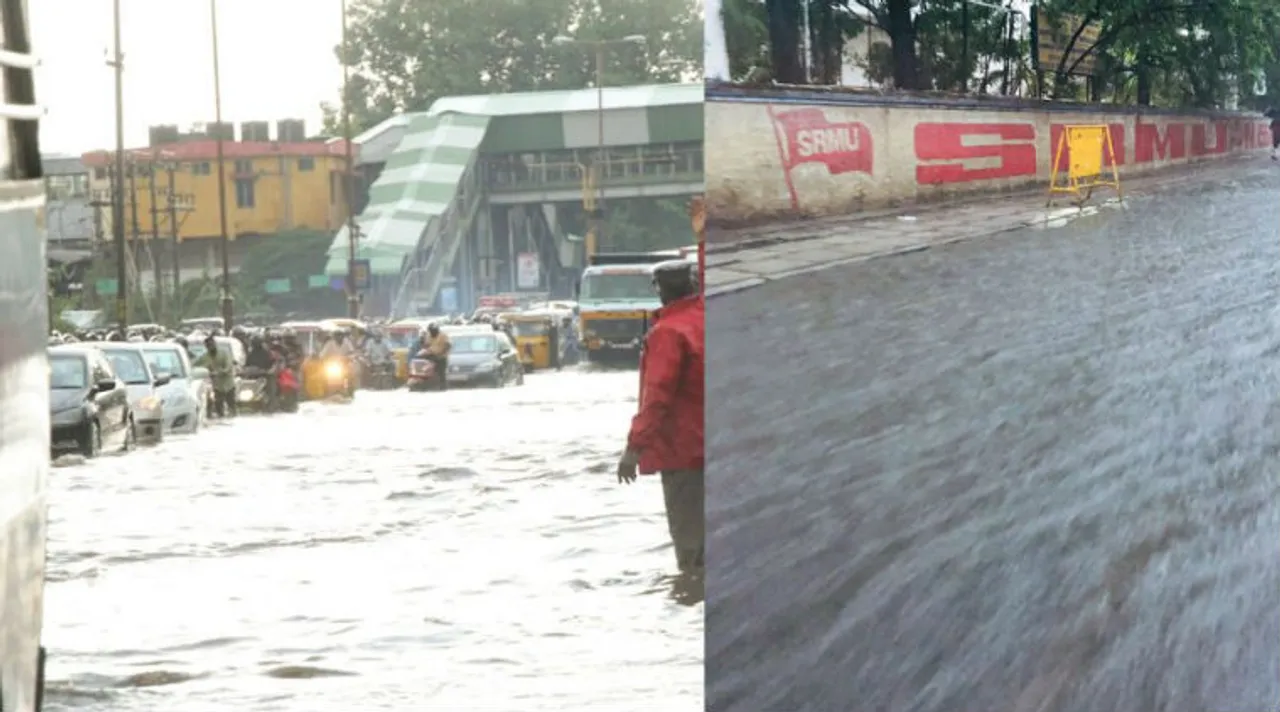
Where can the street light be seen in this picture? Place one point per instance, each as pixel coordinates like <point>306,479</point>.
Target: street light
<point>596,211</point>
<point>227,301</point>
<point>117,194</point>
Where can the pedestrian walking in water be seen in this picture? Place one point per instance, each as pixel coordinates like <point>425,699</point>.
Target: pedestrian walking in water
<point>666,434</point>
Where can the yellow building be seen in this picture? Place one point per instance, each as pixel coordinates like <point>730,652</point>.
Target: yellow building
<point>271,187</point>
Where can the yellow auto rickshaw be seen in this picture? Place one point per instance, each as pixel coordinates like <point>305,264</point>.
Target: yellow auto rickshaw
<point>532,332</point>
<point>402,338</point>
<point>312,336</point>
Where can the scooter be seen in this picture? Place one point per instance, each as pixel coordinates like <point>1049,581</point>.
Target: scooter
<point>422,375</point>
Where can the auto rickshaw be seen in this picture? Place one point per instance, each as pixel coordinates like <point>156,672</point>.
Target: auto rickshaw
<point>311,337</point>
<point>532,332</point>
<point>402,338</point>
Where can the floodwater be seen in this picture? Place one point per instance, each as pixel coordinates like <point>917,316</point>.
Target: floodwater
<point>467,550</point>
<point>1036,472</point>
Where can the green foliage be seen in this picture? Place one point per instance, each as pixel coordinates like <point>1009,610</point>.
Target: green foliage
<point>405,54</point>
<point>1198,53</point>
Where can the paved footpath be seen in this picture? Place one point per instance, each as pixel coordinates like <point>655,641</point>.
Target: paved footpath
<point>1033,472</point>
<point>744,258</point>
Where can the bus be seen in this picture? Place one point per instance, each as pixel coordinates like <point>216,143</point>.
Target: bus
<point>24,373</point>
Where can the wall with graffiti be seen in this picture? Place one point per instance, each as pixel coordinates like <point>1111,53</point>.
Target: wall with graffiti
<point>773,156</point>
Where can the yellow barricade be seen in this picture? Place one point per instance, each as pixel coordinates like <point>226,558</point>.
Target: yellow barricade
<point>1090,147</point>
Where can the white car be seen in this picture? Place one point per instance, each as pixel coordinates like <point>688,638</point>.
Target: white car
<point>185,395</point>
<point>143,386</point>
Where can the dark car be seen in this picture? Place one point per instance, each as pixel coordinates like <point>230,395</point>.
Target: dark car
<point>484,358</point>
<point>89,405</point>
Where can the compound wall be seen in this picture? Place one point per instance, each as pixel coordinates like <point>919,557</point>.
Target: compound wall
<point>779,153</point>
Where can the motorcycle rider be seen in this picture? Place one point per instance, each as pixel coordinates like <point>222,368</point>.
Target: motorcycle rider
<point>222,369</point>
<point>260,359</point>
<point>436,350</point>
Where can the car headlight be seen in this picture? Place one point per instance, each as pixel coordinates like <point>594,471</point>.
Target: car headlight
<point>149,403</point>
<point>486,367</point>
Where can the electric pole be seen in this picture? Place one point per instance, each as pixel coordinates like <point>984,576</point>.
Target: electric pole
<point>155,235</point>
<point>228,303</point>
<point>133,219</point>
<point>173,245</point>
<point>353,295</point>
<point>117,197</point>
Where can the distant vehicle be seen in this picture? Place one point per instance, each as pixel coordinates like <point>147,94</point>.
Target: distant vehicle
<point>88,404</point>
<point>483,357</point>
<point>143,386</point>
<point>24,374</point>
<point>205,323</point>
<point>186,395</point>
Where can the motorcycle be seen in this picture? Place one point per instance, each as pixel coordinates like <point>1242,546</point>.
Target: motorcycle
<point>422,375</point>
<point>338,378</point>
<point>251,392</point>
<point>381,376</point>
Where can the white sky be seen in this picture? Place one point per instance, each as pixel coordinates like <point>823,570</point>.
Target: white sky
<point>277,62</point>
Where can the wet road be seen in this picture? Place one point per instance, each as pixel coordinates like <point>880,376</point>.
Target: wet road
<point>468,550</point>
<point>1033,472</point>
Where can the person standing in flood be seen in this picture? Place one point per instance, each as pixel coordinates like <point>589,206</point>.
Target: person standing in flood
<point>667,431</point>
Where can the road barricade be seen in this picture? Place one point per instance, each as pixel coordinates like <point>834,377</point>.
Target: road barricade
<point>1088,151</point>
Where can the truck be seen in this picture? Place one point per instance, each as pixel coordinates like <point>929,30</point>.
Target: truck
<point>24,374</point>
<point>616,301</point>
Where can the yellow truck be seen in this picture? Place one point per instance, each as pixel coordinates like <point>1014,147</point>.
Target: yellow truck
<point>616,300</point>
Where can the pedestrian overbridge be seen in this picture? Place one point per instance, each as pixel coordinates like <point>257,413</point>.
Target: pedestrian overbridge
<point>469,197</point>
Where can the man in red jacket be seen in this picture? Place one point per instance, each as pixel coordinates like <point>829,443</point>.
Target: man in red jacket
<point>666,433</point>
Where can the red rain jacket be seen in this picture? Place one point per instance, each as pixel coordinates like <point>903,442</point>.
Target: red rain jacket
<point>667,429</point>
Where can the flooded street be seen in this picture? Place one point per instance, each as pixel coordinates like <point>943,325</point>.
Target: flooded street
<point>1036,472</point>
<point>468,550</point>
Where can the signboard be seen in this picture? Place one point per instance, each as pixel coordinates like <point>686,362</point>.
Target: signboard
<point>527,271</point>
<point>1051,40</point>
<point>279,285</point>
<point>318,281</point>
<point>449,300</point>
<point>360,274</point>
<point>107,287</point>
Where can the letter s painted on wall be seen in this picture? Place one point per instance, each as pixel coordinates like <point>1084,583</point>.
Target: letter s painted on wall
<point>942,149</point>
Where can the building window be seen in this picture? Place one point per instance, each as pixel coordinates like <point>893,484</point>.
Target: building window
<point>306,163</point>
<point>99,173</point>
<point>244,193</point>
<point>244,168</point>
<point>201,169</point>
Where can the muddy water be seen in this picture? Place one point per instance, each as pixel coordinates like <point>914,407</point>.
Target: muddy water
<point>1037,472</point>
<point>465,550</point>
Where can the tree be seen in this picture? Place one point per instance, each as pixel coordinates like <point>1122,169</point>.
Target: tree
<point>406,54</point>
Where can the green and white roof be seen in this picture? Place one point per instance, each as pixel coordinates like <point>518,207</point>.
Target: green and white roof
<point>421,177</point>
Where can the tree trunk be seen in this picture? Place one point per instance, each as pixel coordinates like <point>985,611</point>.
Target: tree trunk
<point>828,43</point>
<point>1144,81</point>
<point>902,33</point>
<point>784,41</point>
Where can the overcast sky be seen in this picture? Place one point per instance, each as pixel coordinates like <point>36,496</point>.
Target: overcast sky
<point>277,62</point>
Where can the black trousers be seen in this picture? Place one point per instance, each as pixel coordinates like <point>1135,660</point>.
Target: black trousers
<point>224,403</point>
<point>684,493</point>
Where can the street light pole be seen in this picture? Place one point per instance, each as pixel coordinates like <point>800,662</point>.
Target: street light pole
<point>353,297</point>
<point>117,196</point>
<point>228,302</point>
<point>595,208</point>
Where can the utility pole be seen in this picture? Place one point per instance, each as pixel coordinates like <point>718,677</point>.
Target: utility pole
<point>595,210</point>
<point>137,229</point>
<point>228,304</point>
<point>155,234</point>
<point>117,197</point>
<point>173,244</point>
<point>353,296</point>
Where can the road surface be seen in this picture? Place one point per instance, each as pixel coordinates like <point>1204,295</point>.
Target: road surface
<point>1033,472</point>
<point>467,550</point>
